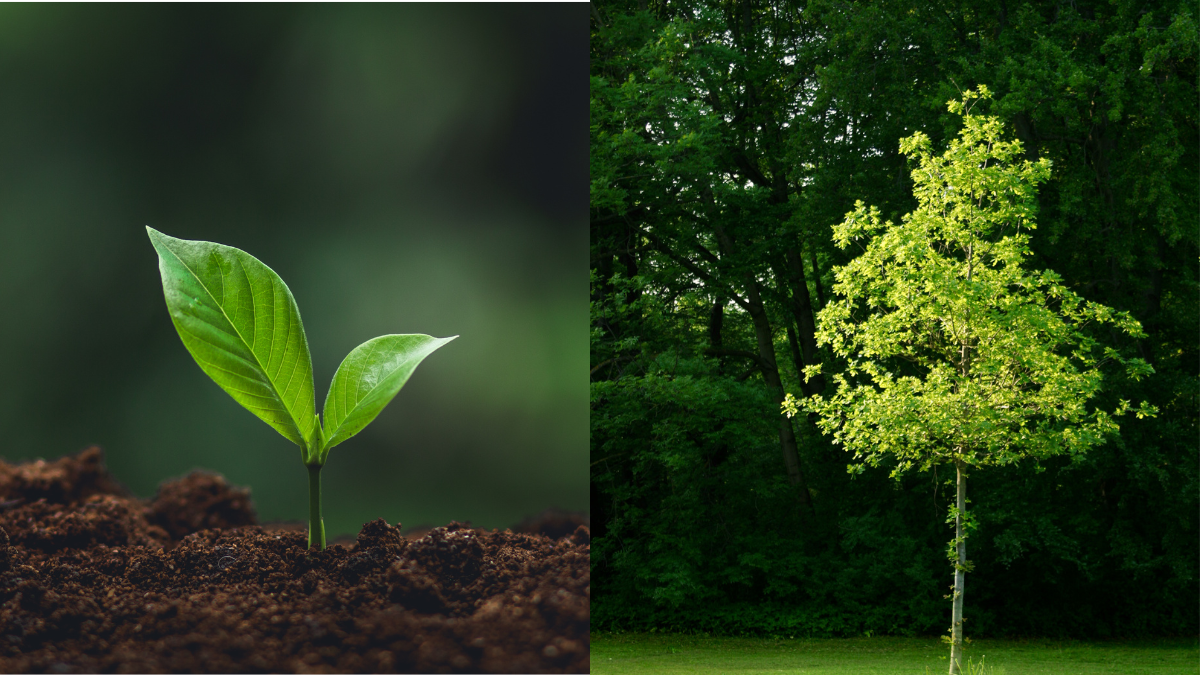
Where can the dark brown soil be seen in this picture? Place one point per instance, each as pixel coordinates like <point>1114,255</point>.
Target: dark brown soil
<point>95,580</point>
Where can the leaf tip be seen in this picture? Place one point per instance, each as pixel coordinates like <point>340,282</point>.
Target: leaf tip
<point>158,238</point>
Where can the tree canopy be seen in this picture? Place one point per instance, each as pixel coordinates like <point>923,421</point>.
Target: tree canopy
<point>955,352</point>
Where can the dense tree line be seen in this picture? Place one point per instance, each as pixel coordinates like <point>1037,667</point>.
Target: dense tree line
<point>728,139</point>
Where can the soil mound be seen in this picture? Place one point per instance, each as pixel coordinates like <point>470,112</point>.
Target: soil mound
<point>95,580</point>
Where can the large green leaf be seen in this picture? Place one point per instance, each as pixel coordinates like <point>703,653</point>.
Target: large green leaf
<point>369,378</point>
<point>241,324</point>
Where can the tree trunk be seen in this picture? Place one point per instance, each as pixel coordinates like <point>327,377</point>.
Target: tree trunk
<point>791,460</point>
<point>716,322</point>
<point>765,338</point>
<point>956,632</point>
<point>801,306</point>
<point>766,353</point>
<point>817,282</point>
<point>796,358</point>
<point>781,281</point>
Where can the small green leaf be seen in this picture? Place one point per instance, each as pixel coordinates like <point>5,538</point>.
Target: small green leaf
<point>368,379</point>
<point>240,322</point>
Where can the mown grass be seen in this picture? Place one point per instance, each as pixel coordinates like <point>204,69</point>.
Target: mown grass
<point>664,654</point>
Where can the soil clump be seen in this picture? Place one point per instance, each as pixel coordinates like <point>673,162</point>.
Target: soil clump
<point>93,579</point>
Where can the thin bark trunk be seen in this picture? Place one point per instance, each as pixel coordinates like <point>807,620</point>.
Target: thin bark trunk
<point>960,563</point>
<point>956,632</point>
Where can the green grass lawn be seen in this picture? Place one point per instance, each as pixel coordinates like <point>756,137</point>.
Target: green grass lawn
<point>664,654</point>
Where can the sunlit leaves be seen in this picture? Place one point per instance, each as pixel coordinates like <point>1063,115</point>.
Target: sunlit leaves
<point>955,351</point>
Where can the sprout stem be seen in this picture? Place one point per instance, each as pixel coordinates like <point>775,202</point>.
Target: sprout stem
<point>316,526</point>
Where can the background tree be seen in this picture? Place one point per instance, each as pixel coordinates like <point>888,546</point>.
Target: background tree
<point>956,354</point>
<point>691,187</point>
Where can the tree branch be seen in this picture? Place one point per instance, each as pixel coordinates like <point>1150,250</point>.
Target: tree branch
<point>759,363</point>
<point>693,267</point>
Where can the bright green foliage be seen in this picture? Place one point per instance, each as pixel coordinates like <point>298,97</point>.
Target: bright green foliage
<point>241,324</point>
<point>955,352</point>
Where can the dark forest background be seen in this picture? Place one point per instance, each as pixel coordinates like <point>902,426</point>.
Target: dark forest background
<point>404,168</point>
<point>727,137</point>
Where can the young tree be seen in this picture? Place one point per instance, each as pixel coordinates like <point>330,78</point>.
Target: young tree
<point>954,352</point>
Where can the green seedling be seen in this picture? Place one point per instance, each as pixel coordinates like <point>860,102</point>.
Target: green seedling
<point>240,322</point>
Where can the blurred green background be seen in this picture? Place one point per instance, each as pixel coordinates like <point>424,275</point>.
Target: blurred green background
<point>404,168</point>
